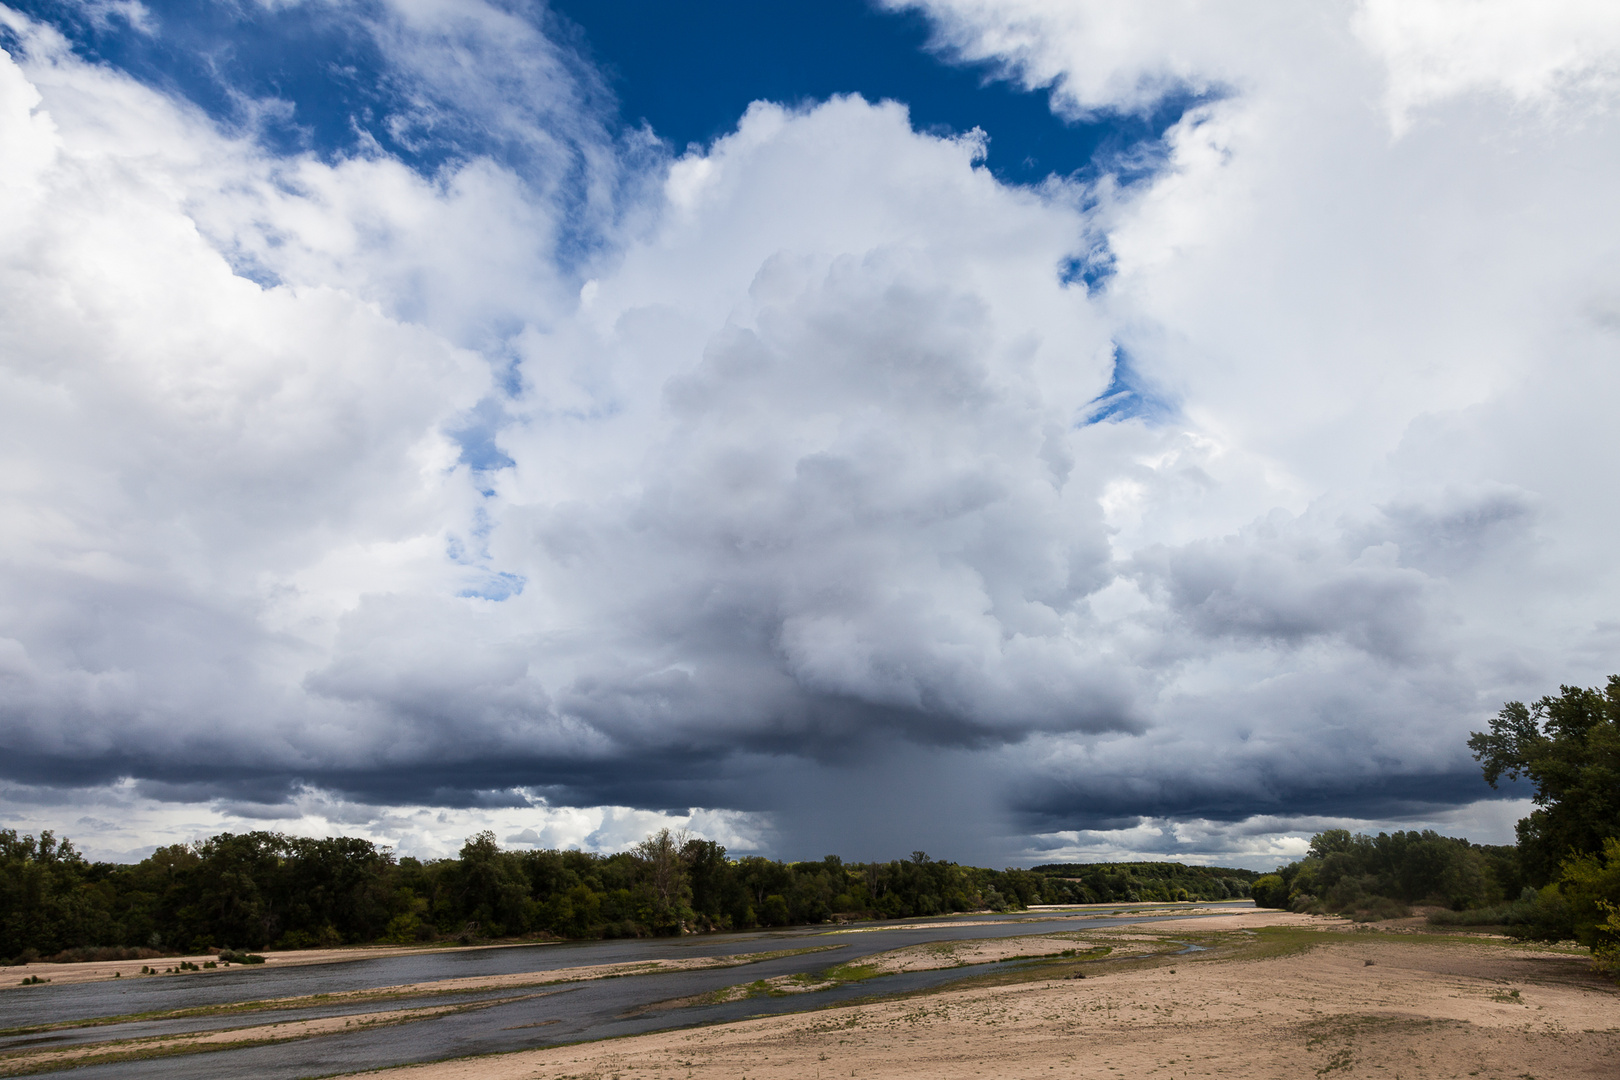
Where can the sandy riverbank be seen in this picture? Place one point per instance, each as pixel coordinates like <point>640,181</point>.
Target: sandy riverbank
<point>97,970</point>
<point>1332,1003</point>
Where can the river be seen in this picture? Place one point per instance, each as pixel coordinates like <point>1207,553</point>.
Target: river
<point>558,1013</point>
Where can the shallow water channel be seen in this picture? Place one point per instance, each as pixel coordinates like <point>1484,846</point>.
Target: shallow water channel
<point>556,1013</point>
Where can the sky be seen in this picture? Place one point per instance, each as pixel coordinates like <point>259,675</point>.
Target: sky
<point>1024,431</point>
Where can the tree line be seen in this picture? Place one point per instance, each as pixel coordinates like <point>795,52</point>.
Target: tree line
<point>1560,882</point>
<point>1375,877</point>
<point>1112,883</point>
<point>262,890</point>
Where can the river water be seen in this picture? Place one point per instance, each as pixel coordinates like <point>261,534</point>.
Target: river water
<point>557,1013</point>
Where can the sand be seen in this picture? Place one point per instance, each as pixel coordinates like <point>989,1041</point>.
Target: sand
<point>1357,1005</point>
<point>97,970</point>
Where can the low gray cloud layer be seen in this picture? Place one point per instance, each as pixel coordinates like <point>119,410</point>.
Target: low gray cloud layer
<point>789,495</point>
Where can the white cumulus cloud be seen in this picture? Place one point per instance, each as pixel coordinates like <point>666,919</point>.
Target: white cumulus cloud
<point>573,480</point>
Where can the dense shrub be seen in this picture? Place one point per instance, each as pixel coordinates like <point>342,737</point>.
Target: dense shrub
<point>1590,885</point>
<point>1377,909</point>
<point>1270,891</point>
<point>1527,910</point>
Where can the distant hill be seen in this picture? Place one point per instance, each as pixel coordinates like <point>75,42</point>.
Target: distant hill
<point>1107,883</point>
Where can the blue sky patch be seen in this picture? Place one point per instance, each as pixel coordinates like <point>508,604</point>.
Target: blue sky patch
<point>497,586</point>
<point>689,70</point>
<point>221,57</point>
<point>1127,396</point>
<point>1091,270</point>
<point>477,438</point>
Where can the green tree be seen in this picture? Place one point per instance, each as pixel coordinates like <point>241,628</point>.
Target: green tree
<point>46,905</point>
<point>337,890</point>
<point>1568,747</point>
<point>775,911</point>
<point>233,893</point>
<point>1269,891</point>
<point>1591,887</point>
<point>663,866</point>
<point>718,892</point>
<point>494,889</point>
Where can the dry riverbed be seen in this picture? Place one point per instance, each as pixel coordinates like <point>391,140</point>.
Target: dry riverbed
<point>1272,995</point>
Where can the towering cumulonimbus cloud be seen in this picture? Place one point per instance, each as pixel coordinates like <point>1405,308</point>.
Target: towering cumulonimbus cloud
<point>818,473</point>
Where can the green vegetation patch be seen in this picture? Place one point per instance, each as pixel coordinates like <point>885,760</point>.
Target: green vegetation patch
<point>859,971</point>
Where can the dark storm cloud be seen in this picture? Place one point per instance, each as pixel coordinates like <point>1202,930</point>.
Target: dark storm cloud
<point>1104,802</point>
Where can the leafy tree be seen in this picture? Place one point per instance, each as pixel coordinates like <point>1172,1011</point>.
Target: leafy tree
<point>257,889</point>
<point>494,889</point>
<point>1590,885</point>
<point>233,893</point>
<point>718,893</point>
<point>336,890</point>
<point>45,902</point>
<point>1269,891</point>
<point>1377,875</point>
<point>1543,915</point>
<point>664,879</point>
<point>1569,748</point>
<point>775,911</point>
<point>1101,883</point>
